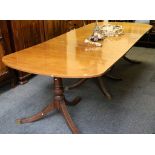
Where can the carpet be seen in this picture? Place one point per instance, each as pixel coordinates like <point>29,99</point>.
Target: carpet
<point>131,110</point>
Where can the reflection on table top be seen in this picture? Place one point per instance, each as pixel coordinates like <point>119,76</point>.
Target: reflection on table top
<point>67,56</point>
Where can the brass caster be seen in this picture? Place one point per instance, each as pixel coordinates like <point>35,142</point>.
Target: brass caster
<point>18,121</point>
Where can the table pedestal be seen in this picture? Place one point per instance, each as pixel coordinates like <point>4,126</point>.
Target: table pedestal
<point>100,84</point>
<point>100,81</point>
<point>59,103</point>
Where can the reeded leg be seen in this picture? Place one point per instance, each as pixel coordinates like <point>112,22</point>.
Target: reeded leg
<point>113,77</point>
<point>130,60</point>
<point>76,84</point>
<point>68,118</point>
<point>103,88</point>
<point>37,116</point>
<point>101,85</point>
<point>73,102</point>
<point>59,103</point>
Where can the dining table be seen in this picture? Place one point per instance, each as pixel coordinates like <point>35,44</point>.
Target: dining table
<point>68,56</point>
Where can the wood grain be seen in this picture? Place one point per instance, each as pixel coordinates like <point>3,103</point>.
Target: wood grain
<point>27,33</point>
<point>67,56</point>
<point>53,28</point>
<point>3,68</point>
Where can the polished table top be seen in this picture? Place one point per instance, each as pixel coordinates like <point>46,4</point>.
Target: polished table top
<point>67,56</point>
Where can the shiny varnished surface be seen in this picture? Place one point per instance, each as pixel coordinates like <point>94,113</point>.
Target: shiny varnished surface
<point>67,55</point>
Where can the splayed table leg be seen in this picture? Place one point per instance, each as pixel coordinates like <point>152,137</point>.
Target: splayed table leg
<point>59,103</point>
